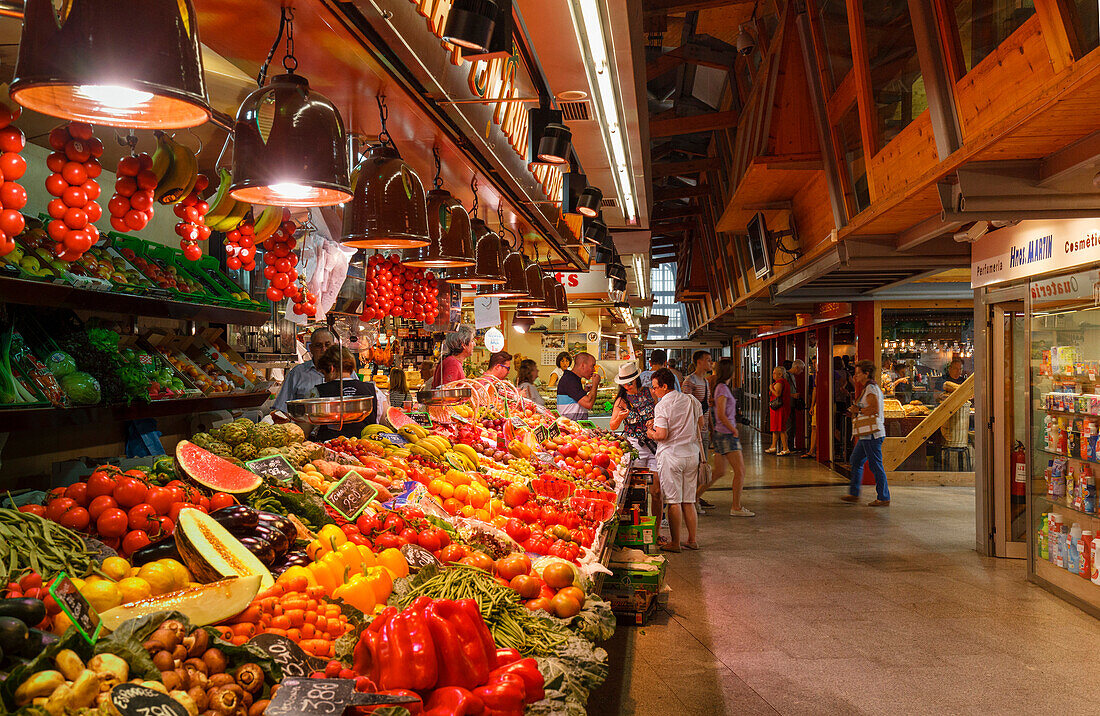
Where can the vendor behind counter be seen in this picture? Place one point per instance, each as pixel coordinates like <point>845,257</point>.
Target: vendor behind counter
<point>333,363</point>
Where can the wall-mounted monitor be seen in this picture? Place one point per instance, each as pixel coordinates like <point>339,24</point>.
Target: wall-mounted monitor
<point>759,245</point>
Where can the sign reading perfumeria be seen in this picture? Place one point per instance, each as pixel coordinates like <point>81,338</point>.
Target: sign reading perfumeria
<point>1033,248</point>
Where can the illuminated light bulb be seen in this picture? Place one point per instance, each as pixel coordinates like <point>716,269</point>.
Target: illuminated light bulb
<point>291,190</point>
<point>114,96</point>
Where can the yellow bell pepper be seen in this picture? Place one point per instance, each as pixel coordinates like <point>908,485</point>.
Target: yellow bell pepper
<point>381,583</point>
<point>315,550</point>
<point>358,592</point>
<point>393,560</point>
<point>298,571</point>
<point>325,576</point>
<point>331,537</point>
<point>367,557</point>
<point>349,554</point>
<point>335,562</point>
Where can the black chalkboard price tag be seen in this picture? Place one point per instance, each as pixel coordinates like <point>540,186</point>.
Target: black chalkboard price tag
<point>275,466</point>
<point>541,434</point>
<point>553,431</point>
<point>82,614</point>
<point>421,419</point>
<point>290,657</point>
<point>135,700</point>
<point>350,495</point>
<point>520,424</point>
<point>418,557</point>
<point>325,697</point>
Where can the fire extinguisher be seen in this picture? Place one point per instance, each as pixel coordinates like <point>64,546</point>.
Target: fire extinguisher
<point>1019,472</point>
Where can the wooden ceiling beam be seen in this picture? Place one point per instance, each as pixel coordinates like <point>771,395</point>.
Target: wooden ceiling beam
<point>690,125</point>
<point>659,7</point>
<point>669,193</point>
<point>691,54</point>
<point>663,213</point>
<point>691,166</point>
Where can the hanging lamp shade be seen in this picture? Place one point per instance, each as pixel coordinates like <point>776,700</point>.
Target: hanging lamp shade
<point>89,65</point>
<point>514,289</point>
<point>548,304</point>
<point>489,257</point>
<point>532,275</point>
<point>603,252</point>
<point>470,24</point>
<point>388,209</point>
<point>616,270</point>
<point>561,302</point>
<point>554,144</point>
<point>450,238</point>
<point>595,231</point>
<point>289,147</point>
<point>589,202</point>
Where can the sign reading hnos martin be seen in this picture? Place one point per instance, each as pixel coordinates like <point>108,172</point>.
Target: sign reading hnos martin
<point>1033,248</point>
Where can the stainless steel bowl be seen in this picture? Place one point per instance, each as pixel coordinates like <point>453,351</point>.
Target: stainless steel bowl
<point>444,396</point>
<point>330,411</point>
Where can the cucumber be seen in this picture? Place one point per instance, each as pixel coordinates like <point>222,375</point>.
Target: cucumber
<point>29,611</point>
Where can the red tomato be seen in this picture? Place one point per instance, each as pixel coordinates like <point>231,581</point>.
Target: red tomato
<point>359,539</point>
<point>78,491</point>
<point>409,535</point>
<point>221,499</point>
<point>59,506</point>
<point>161,498</point>
<point>367,524</point>
<point>112,522</point>
<point>387,540</point>
<point>452,553</point>
<point>130,491</point>
<point>429,540</point>
<point>98,504</point>
<point>76,519</point>
<point>349,529</point>
<point>143,517</point>
<point>134,540</point>
<point>517,529</point>
<point>167,526</point>
<point>174,511</point>
<point>101,482</point>
<point>393,523</point>
<point>12,139</point>
<point>34,510</point>
<point>12,166</point>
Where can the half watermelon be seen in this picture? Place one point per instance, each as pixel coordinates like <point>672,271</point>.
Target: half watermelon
<point>397,418</point>
<point>213,472</point>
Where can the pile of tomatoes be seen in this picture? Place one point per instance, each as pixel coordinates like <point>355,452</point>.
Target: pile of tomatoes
<point>554,591</point>
<point>122,509</point>
<point>392,289</point>
<point>13,197</point>
<point>192,228</point>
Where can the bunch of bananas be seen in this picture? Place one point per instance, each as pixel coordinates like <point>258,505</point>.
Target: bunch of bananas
<point>176,169</point>
<point>225,212</point>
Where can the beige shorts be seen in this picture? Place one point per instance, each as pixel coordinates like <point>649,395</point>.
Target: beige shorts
<point>679,477</point>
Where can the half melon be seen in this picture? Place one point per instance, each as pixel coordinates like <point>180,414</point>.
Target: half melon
<point>202,604</point>
<point>397,418</point>
<point>213,472</point>
<point>212,553</point>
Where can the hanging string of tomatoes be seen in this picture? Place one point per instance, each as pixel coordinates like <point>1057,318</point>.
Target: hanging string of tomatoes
<point>192,228</point>
<point>13,197</point>
<point>75,166</point>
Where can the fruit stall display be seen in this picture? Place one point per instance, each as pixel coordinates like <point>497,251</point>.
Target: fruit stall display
<point>451,565</point>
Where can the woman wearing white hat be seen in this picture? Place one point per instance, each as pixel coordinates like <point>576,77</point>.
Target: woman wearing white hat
<point>633,409</point>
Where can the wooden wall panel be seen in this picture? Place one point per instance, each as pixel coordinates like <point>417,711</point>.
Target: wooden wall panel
<point>907,156</point>
<point>792,130</point>
<point>813,216</point>
<point>1007,78</point>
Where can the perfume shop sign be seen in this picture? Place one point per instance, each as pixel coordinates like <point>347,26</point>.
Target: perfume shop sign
<point>1034,248</point>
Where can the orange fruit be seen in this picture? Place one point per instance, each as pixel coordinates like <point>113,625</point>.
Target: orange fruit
<point>447,491</point>
<point>462,493</point>
<point>467,511</point>
<point>435,487</point>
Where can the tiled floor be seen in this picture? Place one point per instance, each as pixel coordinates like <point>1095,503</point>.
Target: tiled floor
<point>821,607</point>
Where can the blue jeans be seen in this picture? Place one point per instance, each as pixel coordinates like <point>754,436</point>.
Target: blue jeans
<point>868,450</point>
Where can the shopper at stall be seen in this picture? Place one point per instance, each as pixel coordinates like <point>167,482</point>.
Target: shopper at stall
<point>780,408</point>
<point>500,363</point>
<point>338,363</point>
<point>526,375</point>
<point>869,429</point>
<point>573,400</point>
<point>457,347</point>
<point>697,383</point>
<point>727,441</point>
<point>563,362</point>
<point>427,368</point>
<point>300,380</point>
<point>675,429</point>
<point>798,402</point>
<point>399,388</point>
<point>657,359</point>
<point>954,374</point>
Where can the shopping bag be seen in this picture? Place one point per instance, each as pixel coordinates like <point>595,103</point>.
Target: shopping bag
<point>863,426</point>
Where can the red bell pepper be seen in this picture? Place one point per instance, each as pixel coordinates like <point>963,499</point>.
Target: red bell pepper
<point>402,652</point>
<point>507,656</point>
<point>453,701</point>
<point>504,697</point>
<point>470,663</point>
<point>528,670</point>
<point>481,629</point>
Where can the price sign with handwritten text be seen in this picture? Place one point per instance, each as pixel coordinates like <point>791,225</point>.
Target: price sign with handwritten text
<point>350,495</point>
<point>275,466</point>
<point>82,614</point>
<point>135,700</point>
<point>291,658</point>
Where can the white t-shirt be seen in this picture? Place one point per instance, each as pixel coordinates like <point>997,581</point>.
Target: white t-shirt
<point>880,419</point>
<point>679,414</point>
<point>529,391</point>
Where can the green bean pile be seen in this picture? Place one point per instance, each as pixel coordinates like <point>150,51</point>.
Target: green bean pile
<point>513,625</point>
<point>32,543</point>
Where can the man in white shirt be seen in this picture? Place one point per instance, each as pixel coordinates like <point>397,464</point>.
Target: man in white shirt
<point>300,380</point>
<point>676,423</point>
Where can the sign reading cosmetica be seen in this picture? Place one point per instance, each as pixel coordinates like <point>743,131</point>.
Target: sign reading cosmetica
<point>1032,248</point>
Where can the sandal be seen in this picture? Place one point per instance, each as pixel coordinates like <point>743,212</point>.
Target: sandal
<point>770,450</point>
<point>783,454</point>
<point>666,548</point>
<point>691,545</point>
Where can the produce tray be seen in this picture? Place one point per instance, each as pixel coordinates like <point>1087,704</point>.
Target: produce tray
<point>631,579</point>
<point>148,254</point>
<point>643,534</point>
<point>207,270</point>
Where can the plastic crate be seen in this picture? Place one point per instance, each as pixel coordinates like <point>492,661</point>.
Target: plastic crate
<point>643,534</point>
<point>208,271</point>
<point>627,579</point>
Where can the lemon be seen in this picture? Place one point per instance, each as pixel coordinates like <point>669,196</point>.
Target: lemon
<point>61,623</point>
<point>132,589</point>
<point>116,568</point>
<point>180,575</point>
<point>102,595</point>
<point>77,582</point>
<point>159,577</point>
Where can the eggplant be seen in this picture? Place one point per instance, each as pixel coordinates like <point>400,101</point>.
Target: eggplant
<point>237,518</point>
<point>281,523</point>
<point>260,547</point>
<point>37,641</point>
<point>161,549</point>
<point>278,540</point>
<point>13,635</point>
<point>27,610</point>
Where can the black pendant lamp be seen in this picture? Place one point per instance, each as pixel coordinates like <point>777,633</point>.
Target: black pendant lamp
<point>488,257</point>
<point>388,209</point>
<point>554,144</point>
<point>515,283</point>
<point>617,271</point>
<point>533,276</point>
<point>589,202</point>
<point>561,302</point>
<point>618,284</point>
<point>470,24</point>
<point>450,238</point>
<point>547,305</point>
<point>86,63</point>
<point>604,252</point>
<point>522,323</point>
<point>595,231</point>
<point>289,142</point>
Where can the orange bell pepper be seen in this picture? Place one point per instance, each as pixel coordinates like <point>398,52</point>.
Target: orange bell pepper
<point>350,556</point>
<point>367,557</point>
<point>336,562</point>
<point>393,560</point>
<point>381,583</point>
<point>326,578</point>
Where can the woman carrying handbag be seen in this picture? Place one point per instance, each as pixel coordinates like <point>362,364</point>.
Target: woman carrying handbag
<point>780,408</point>
<point>869,429</point>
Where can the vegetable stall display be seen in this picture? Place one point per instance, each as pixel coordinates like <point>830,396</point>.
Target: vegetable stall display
<point>446,567</point>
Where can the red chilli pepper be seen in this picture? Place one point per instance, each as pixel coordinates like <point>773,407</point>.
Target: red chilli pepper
<point>504,697</point>
<point>528,670</point>
<point>453,701</point>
